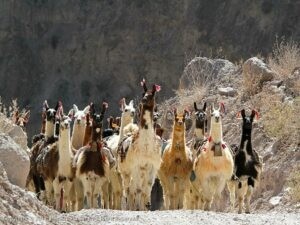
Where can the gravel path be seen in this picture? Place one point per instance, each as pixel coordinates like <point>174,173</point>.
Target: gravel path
<point>174,217</point>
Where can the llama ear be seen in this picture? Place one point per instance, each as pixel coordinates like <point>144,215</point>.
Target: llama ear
<point>195,106</point>
<point>143,84</point>
<point>222,108</point>
<point>186,114</point>
<point>131,103</point>
<point>71,113</point>
<point>27,115</point>
<point>122,104</point>
<point>243,113</point>
<point>204,107</point>
<point>75,108</point>
<point>238,115</point>
<point>175,112</point>
<point>255,114</point>
<point>92,109</point>
<point>45,106</point>
<point>104,107</point>
<point>212,108</point>
<point>86,110</point>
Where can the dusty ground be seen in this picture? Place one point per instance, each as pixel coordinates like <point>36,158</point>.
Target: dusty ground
<point>174,217</point>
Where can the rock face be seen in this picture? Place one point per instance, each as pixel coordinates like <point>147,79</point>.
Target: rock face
<point>20,207</point>
<point>14,159</point>
<point>81,51</point>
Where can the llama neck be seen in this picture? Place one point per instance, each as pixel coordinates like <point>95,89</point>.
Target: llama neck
<point>78,135</point>
<point>199,133</point>
<point>246,139</point>
<point>64,140</point>
<point>146,119</point>
<point>125,120</point>
<point>49,129</point>
<point>178,140</point>
<point>216,132</point>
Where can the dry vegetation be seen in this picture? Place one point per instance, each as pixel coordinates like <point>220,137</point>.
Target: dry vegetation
<point>285,57</point>
<point>293,183</point>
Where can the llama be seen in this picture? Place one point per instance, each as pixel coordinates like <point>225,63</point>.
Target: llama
<point>176,165</point>
<point>21,119</point>
<point>247,166</point>
<point>36,152</point>
<point>127,117</point>
<point>193,196</point>
<point>91,164</point>
<point>78,126</point>
<point>65,173</point>
<point>113,127</point>
<point>141,163</point>
<point>48,154</point>
<point>214,165</point>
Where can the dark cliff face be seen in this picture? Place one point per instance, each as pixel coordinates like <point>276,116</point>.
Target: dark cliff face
<point>82,51</point>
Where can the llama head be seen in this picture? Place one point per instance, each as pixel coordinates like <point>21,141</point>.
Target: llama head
<point>200,114</point>
<point>128,111</point>
<point>148,100</point>
<point>79,115</point>
<point>64,123</point>
<point>156,114</point>
<point>179,122</point>
<point>248,120</point>
<point>21,119</point>
<point>52,114</point>
<point>97,122</point>
<point>217,113</point>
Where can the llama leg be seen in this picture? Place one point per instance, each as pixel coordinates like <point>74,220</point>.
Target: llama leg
<point>105,195</point>
<point>248,198</point>
<point>241,191</point>
<point>66,195</point>
<point>48,190</point>
<point>231,188</point>
<point>87,191</point>
<point>171,187</point>
<point>181,190</point>
<point>79,194</point>
<point>220,184</point>
<point>57,194</point>
<point>72,197</point>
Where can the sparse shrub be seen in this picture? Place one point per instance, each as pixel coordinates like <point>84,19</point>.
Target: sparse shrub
<point>251,84</point>
<point>285,57</point>
<point>293,182</point>
<point>280,119</point>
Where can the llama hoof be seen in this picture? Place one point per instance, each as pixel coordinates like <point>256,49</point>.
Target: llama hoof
<point>63,211</point>
<point>148,206</point>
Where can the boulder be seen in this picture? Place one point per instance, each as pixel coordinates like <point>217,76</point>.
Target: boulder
<point>228,91</point>
<point>15,160</point>
<point>205,71</point>
<point>256,67</point>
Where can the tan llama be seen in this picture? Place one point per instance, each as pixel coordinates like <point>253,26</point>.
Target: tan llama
<point>176,165</point>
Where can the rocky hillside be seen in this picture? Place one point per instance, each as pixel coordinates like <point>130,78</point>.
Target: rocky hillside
<point>81,51</point>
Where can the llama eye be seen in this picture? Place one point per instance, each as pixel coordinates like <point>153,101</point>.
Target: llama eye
<point>126,110</point>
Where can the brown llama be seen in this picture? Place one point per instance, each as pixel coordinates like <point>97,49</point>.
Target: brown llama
<point>92,165</point>
<point>176,165</point>
<point>141,163</point>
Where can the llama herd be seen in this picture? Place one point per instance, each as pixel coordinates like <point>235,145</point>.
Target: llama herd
<point>86,166</point>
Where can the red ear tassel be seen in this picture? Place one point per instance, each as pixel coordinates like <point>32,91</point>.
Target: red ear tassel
<point>157,88</point>
<point>256,115</point>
